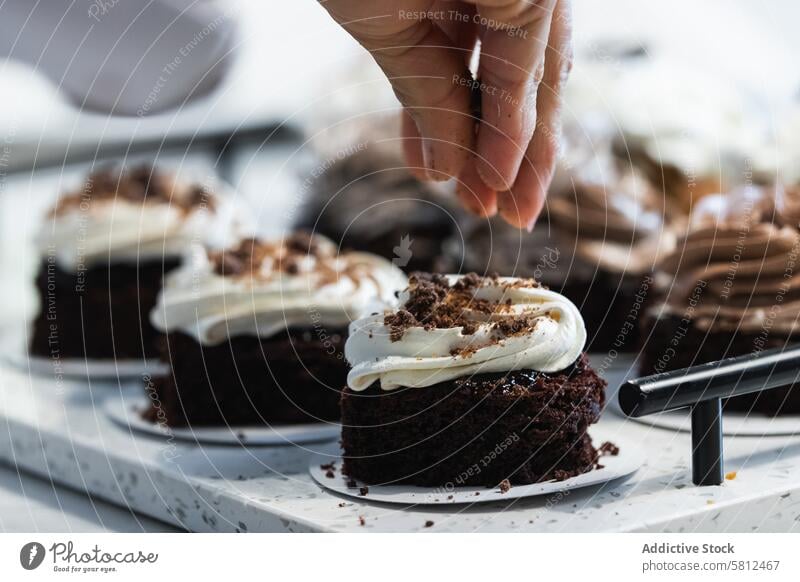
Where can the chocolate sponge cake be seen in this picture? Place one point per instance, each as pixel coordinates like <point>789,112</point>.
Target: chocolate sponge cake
<point>255,333</point>
<point>80,311</point>
<point>291,377</point>
<point>104,250</point>
<point>470,381</point>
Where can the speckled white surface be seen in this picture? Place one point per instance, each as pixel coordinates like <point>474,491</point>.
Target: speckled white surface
<point>58,430</point>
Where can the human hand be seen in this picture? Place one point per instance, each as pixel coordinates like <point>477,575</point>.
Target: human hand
<point>424,48</point>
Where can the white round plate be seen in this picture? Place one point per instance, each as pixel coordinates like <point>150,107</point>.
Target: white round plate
<point>14,352</point>
<point>629,459</point>
<point>126,412</point>
<point>75,369</point>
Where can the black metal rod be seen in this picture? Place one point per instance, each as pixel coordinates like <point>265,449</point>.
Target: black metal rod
<point>723,379</point>
<point>702,388</point>
<point>707,443</point>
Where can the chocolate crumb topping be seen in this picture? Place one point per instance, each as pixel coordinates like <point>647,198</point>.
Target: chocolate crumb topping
<point>433,303</point>
<point>300,252</point>
<point>140,185</point>
<point>608,448</point>
<point>399,322</point>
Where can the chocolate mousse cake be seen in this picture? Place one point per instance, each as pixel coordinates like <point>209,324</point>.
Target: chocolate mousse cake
<point>255,333</point>
<point>365,198</point>
<point>730,288</point>
<point>470,381</point>
<point>104,249</point>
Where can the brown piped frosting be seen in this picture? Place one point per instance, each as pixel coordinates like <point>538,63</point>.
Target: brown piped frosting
<point>615,221</point>
<point>737,267</point>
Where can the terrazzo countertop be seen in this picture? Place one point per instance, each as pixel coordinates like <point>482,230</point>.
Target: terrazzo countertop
<point>60,430</point>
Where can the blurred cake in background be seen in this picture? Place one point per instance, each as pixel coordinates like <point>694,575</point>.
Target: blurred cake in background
<point>103,251</point>
<point>366,199</point>
<point>255,333</point>
<point>731,287</point>
<point>690,130</point>
<point>596,242</point>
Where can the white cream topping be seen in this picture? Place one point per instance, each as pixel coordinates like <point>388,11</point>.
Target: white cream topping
<point>423,357</point>
<point>124,231</point>
<point>210,307</point>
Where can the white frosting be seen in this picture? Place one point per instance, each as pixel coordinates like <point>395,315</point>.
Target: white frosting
<point>211,308</point>
<point>121,231</point>
<point>423,357</point>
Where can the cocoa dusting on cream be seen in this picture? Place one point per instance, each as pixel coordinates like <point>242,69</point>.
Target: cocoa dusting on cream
<point>141,185</point>
<point>298,253</point>
<point>435,304</point>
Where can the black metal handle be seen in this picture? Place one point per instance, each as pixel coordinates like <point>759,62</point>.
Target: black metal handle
<point>702,388</point>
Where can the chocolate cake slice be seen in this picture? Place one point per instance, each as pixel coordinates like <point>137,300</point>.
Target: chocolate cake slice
<point>255,333</point>
<point>292,377</point>
<point>471,381</point>
<point>99,314</point>
<point>104,251</point>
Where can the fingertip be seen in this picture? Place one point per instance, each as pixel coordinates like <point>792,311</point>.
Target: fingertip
<point>508,209</point>
<point>499,158</point>
<point>520,210</point>
<point>443,159</point>
<point>412,148</point>
<point>490,176</point>
<point>474,194</point>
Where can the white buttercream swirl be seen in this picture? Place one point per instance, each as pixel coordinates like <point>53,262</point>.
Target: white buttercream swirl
<point>121,230</point>
<point>423,357</point>
<point>328,291</point>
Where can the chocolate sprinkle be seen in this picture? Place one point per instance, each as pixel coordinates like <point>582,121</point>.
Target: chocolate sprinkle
<point>435,304</point>
<point>140,185</point>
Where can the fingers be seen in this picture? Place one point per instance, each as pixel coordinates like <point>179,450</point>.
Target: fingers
<point>462,31</point>
<point>525,58</point>
<point>422,69</point>
<point>523,203</point>
<point>517,206</point>
<point>474,194</point>
<point>512,64</point>
<point>425,69</point>
<point>412,146</point>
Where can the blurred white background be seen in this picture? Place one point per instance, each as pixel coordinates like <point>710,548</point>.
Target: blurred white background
<point>291,54</point>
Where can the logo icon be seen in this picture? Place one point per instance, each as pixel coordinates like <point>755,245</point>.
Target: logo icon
<point>402,252</point>
<point>31,555</point>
